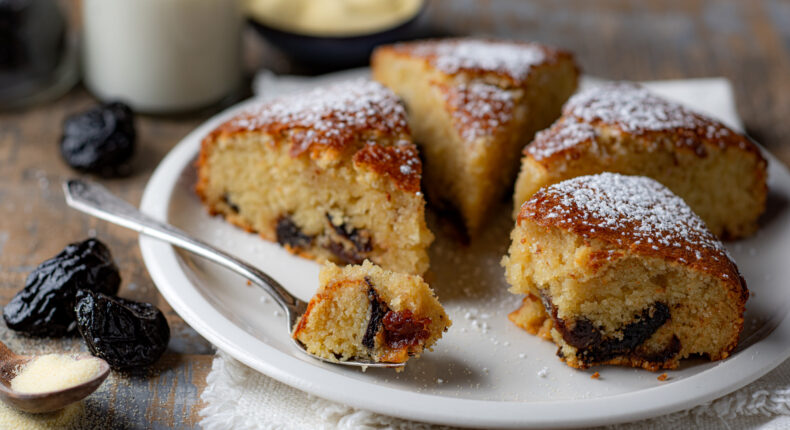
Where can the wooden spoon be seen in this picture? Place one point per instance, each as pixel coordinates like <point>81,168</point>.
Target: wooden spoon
<point>43,402</point>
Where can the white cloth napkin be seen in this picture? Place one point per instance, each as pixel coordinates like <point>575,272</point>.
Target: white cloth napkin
<point>237,397</point>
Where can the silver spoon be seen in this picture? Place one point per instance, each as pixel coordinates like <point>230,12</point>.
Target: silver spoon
<point>47,401</point>
<point>95,200</point>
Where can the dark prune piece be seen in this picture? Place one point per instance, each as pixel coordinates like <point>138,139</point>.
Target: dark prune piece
<point>377,311</point>
<point>348,243</point>
<point>101,140</point>
<point>288,233</point>
<point>359,238</point>
<point>125,333</point>
<point>594,348</point>
<point>583,334</point>
<point>343,253</point>
<point>226,199</point>
<point>401,329</point>
<point>45,307</point>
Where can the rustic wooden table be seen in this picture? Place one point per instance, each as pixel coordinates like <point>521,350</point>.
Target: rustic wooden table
<point>747,42</point>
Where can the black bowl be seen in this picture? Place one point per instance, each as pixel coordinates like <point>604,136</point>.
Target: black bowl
<point>329,52</point>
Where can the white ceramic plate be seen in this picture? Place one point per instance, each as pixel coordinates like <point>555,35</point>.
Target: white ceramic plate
<point>484,372</point>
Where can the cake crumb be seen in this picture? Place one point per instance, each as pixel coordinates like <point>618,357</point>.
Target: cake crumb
<point>595,375</point>
<point>662,377</point>
<point>543,372</point>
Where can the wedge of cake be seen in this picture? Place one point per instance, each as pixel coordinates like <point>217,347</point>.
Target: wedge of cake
<point>366,312</point>
<point>473,105</point>
<point>624,128</point>
<point>331,174</point>
<point>627,274</point>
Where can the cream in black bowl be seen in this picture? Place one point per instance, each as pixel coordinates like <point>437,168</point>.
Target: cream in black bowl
<point>334,33</point>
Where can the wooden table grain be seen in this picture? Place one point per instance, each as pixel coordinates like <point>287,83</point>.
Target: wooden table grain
<point>747,42</point>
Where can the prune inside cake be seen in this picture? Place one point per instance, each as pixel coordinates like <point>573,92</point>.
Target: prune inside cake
<point>474,104</point>
<point>624,128</point>
<point>331,174</point>
<point>626,272</point>
<point>366,312</point>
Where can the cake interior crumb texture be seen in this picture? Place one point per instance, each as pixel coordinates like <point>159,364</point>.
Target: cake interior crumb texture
<point>366,312</point>
<point>330,174</point>
<point>627,275</point>
<point>473,106</point>
<point>624,128</point>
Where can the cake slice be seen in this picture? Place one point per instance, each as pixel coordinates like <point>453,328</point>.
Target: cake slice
<point>331,174</point>
<point>473,106</point>
<point>627,274</point>
<point>624,128</point>
<point>366,312</point>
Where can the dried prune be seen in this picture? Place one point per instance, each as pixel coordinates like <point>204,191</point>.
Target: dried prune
<point>100,140</point>
<point>125,333</point>
<point>45,307</point>
<point>288,233</point>
<point>378,309</point>
<point>401,329</point>
<point>359,238</point>
<point>348,243</point>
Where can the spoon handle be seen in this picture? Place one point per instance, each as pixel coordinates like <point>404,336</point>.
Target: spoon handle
<point>97,201</point>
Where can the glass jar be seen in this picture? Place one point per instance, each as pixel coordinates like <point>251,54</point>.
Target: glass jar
<point>162,56</point>
<point>38,58</point>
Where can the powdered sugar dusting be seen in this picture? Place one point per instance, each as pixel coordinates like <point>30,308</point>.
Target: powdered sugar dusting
<point>452,56</point>
<point>479,108</point>
<point>331,115</point>
<point>563,135</point>
<point>636,110</point>
<point>401,162</point>
<point>359,113</point>
<point>633,211</point>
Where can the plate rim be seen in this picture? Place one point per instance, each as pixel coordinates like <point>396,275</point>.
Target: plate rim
<point>162,262</point>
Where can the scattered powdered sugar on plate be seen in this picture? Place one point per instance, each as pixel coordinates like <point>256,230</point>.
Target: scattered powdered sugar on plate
<point>630,210</point>
<point>636,110</point>
<point>514,59</point>
<point>479,108</point>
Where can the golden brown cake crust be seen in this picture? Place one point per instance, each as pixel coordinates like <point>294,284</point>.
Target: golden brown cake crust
<point>632,109</point>
<point>336,120</point>
<point>478,109</point>
<point>400,162</point>
<point>511,61</point>
<point>634,212</point>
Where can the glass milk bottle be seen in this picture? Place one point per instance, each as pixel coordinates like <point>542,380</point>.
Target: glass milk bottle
<point>162,56</point>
